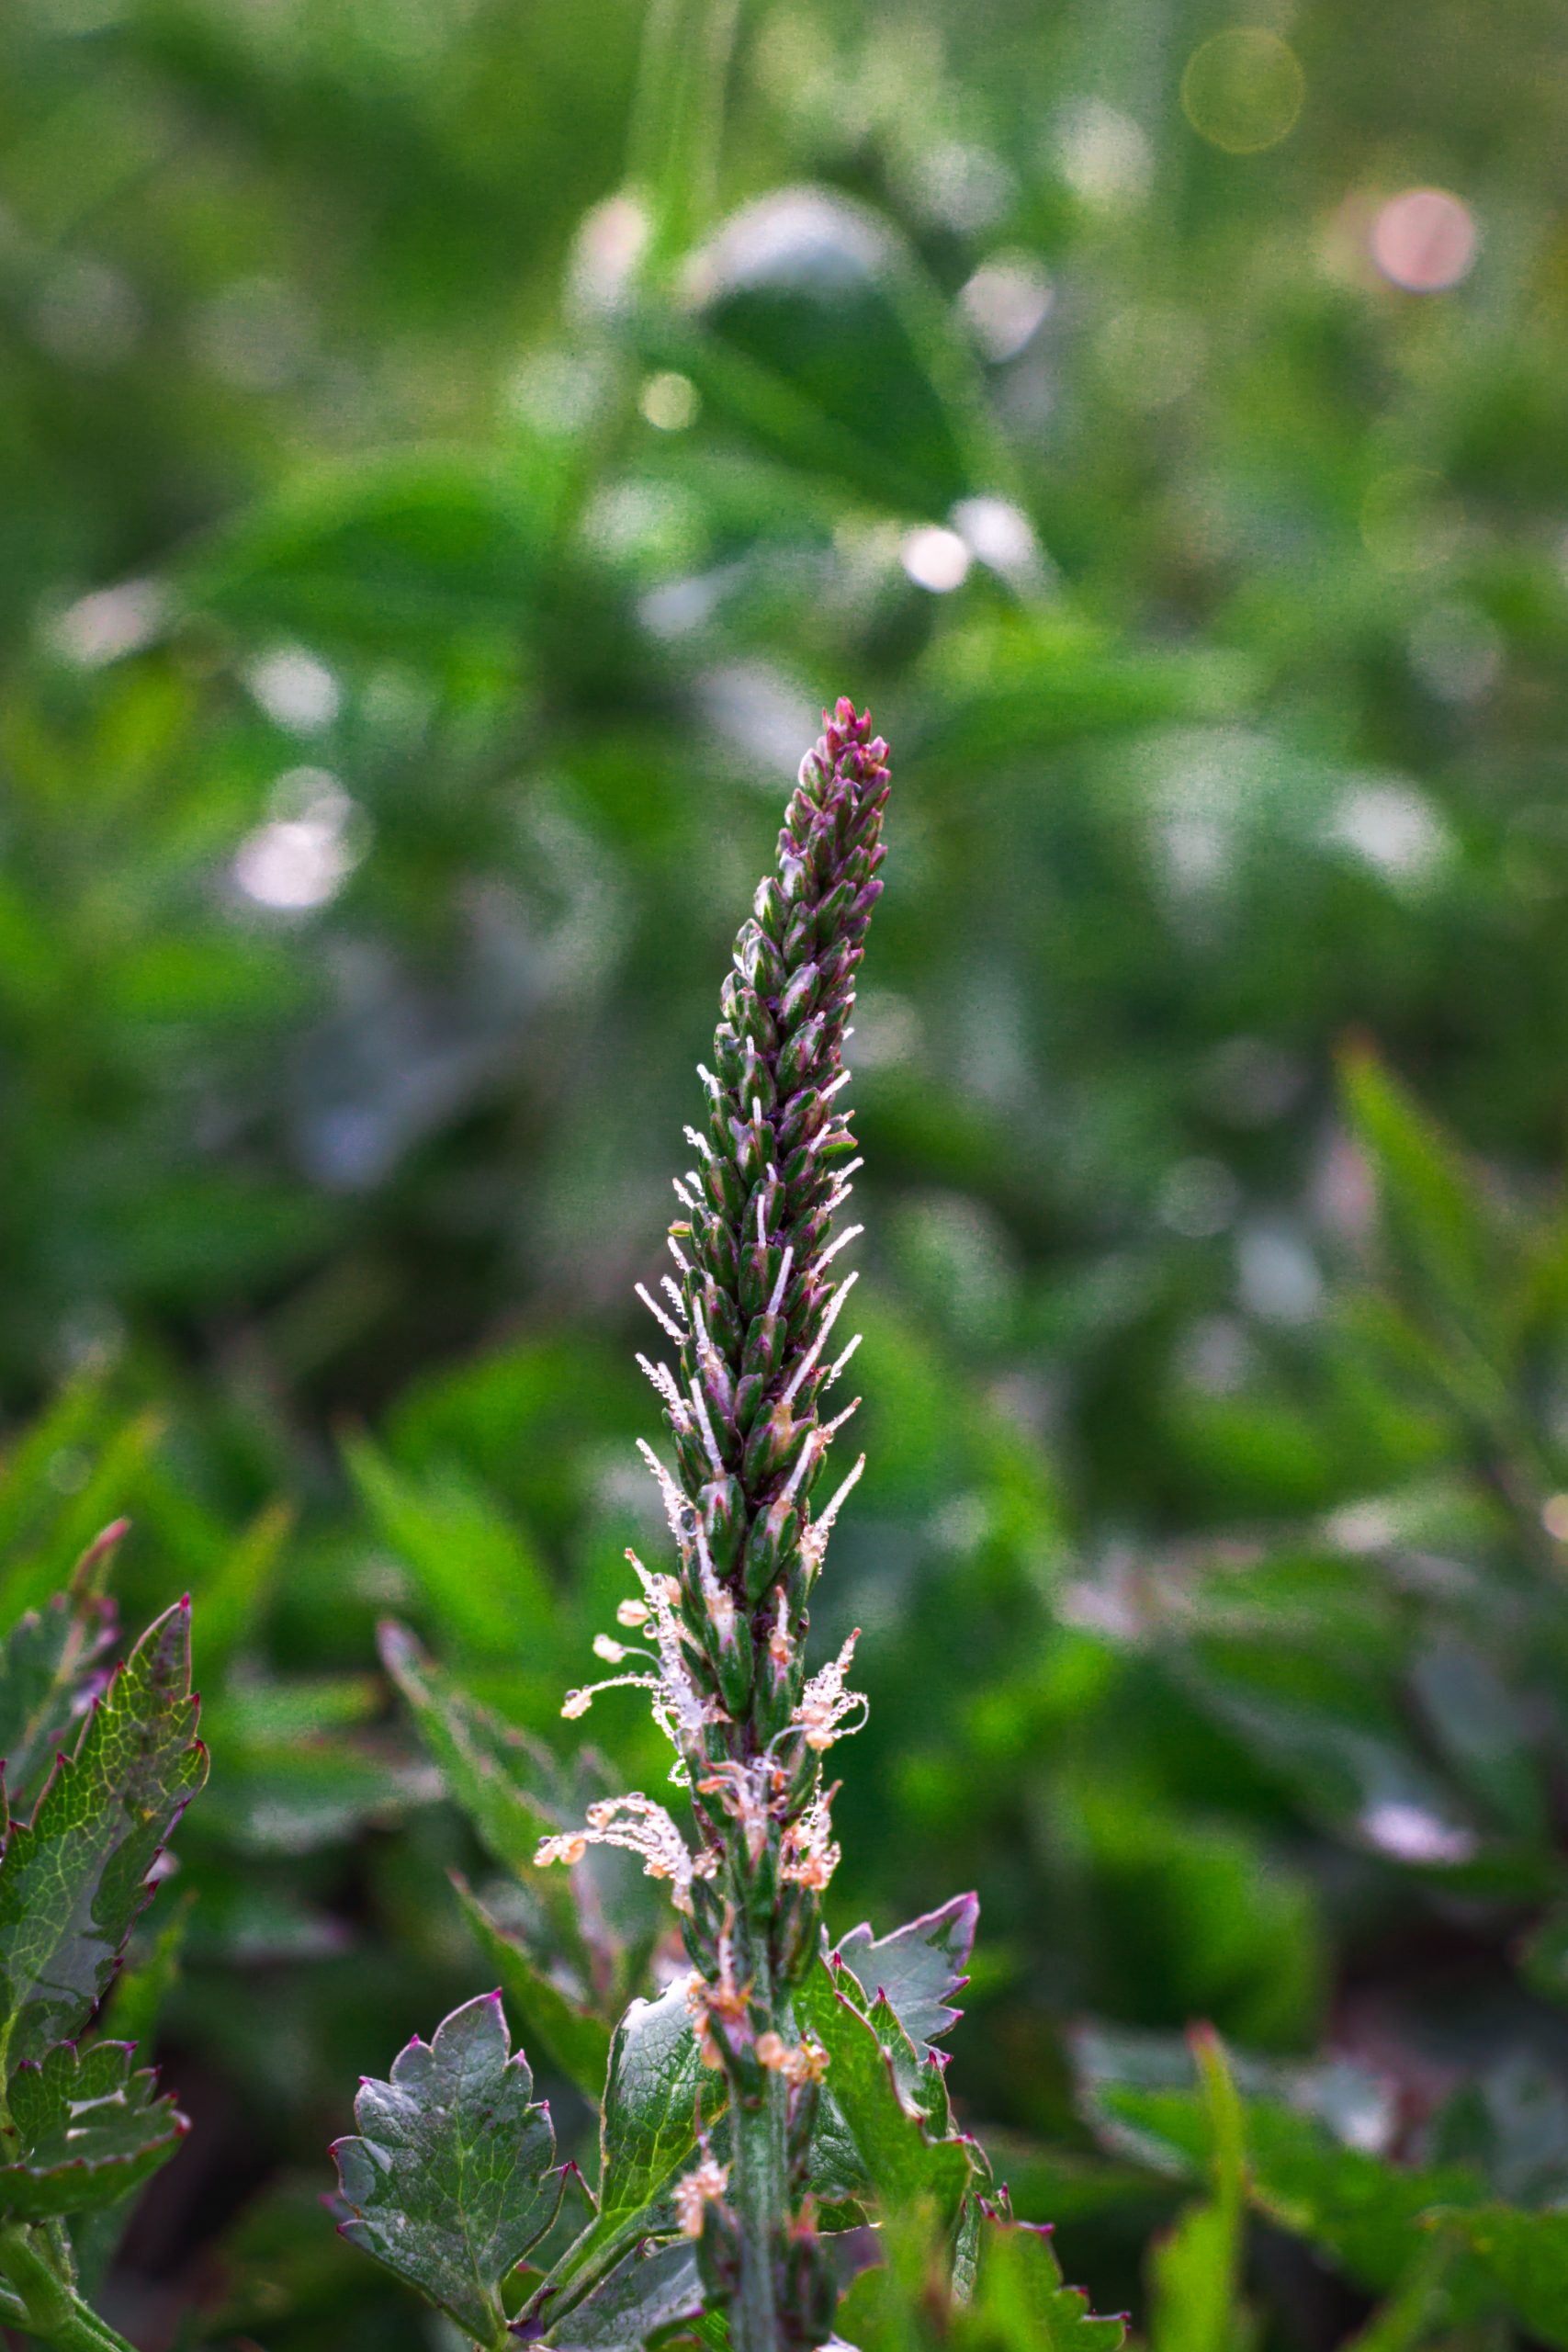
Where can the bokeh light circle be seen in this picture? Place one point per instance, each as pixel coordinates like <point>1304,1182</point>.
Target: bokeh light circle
<point>1242,90</point>
<point>1424,240</point>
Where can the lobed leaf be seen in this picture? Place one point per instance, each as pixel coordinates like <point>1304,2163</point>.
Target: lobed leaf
<point>84,2132</point>
<point>919,1967</point>
<point>73,1879</point>
<point>889,2100</point>
<point>451,2177</point>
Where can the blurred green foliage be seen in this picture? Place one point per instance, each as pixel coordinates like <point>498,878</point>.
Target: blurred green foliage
<point>419,573</point>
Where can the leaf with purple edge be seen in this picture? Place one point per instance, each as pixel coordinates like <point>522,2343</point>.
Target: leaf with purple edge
<point>870,2061</point>
<point>919,1967</point>
<point>84,2131</point>
<point>73,1879</point>
<point>451,2177</point>
<point>1025,2302</point>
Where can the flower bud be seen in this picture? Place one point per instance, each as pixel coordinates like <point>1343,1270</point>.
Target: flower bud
<point>721,1506</point>
<point>773,1541</point>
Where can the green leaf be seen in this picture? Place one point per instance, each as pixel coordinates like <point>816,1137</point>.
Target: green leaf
<point>451,2178</point>
<point>86,2131</point>
<point>649,2287</point>
<point>868,2060</point>
<point>1195,2271</point>
<point>386,552</point>
<point>49,1671</point>
<point>1023,2301</point>
<point>73,1879</point>
<point>141,1992</point>
<point>1019,2304</point>
<point>577,2040</point>
<point>507,1784</point>
<point>1364,2215</point>
<point>657,2088</point>
<point>819,334</point>
<point>483,1585</point>
<point>919,1967</point>
<point>1192,2283</point>
<point>1526,2254</point>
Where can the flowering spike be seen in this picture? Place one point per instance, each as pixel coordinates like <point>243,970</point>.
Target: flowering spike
<point>751,1313</point>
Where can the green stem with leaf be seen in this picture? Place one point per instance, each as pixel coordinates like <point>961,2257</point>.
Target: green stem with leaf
<point>44,2303</point>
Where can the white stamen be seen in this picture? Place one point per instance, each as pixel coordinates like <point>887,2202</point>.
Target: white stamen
<point>671,1290</point>
<point>836,1367</point>
<point>842,1079</point>
<point>781,1283</point>
<point>681,1194</point>
<point>707,1426</point>
<point>678,1254</point>
<point>699,1144</point>
<point>821,1526</point>
<point>842,1242</point>
<point>761,1225</point>
<point>808,1361</point>
<point>708,1080</point>
<point>830,1428</point>
<point>673,1330</point>
<point>811,1453</point>
<point>664,1388</point>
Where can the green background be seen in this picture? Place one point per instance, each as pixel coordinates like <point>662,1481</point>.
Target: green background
<point>420,571</point>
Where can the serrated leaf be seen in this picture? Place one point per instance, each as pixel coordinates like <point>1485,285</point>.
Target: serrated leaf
<point>1526,2254</point>
<point>73,1879</point>
<point>867,2056</point>
<point>450,2178</point>
<point>655,2089</point>
<point>141,1991</point>
<point>84,2131</point>
<point>649,2287</point>
<point>577,2040</point>
<point>1022,2298</point>
<point>919,1967</point>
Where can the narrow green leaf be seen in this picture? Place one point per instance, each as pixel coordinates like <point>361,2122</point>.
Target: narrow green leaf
<point>451,2177</point>
<point>84,2132</point>
<point>577,2040</point>
<point>506,1783</point>
<point>73,1879</point>
<point>483,1585</point>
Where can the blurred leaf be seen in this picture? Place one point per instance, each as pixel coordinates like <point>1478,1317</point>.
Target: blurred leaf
<point>482,1586</point>
<point>563,2026</point>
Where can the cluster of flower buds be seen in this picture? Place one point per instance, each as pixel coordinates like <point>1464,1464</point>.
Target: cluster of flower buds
<point>751,1317</point>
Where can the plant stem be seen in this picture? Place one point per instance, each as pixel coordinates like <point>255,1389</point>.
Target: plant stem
<point>53,2311</point>
<point>758,2192</point>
